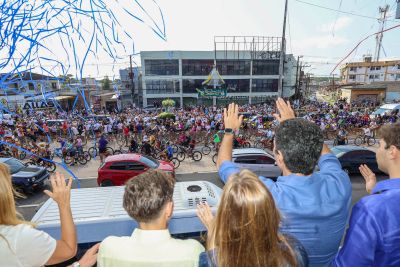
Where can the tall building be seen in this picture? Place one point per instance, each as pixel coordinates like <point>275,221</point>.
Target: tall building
<point>177,75</point>
<point>368,74</point>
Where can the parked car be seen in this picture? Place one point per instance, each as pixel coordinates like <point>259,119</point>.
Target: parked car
<point>385,109</point>
<point>117,169</point>
<point>257,160</point>
<point>351,157</point>
<point>24,176</point>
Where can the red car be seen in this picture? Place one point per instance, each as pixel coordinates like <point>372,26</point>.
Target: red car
<point>117,169</point>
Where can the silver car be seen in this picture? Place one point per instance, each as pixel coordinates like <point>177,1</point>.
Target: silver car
<point>257,160</point>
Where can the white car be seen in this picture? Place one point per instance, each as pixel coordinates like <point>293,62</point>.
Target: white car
<point>257,160</point>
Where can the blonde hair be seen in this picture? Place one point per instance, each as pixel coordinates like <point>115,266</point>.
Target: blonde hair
<point>8,213</point>
<point>246,227</point>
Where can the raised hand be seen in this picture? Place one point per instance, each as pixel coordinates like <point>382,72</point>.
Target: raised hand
<point>285,111</point>
<point>61,193</point>
<point>205,215</point>
<point>90,257</point>
<point>232,119</point>
<point>369,177</point>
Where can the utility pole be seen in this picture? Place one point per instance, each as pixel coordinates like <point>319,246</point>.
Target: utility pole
<point>379,36</point>
<point>282,54</point>
<point>131,78</point>
<point>297,76</point>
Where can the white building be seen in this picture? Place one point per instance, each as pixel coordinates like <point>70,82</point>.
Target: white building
<point>381,73</point>
<point>177,75</point>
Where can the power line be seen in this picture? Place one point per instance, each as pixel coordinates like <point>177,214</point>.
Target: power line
<point>339,11</point>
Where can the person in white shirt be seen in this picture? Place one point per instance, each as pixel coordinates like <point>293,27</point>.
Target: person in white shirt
<point>148,200</point>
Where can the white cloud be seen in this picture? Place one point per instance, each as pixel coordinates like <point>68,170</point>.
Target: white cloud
<point>337,25</point>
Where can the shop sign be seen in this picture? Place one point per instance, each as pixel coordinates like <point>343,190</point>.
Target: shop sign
<point>38,105</point>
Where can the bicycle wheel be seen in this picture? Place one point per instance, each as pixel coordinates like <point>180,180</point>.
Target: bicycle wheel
<point>92,152</point>
<point>175,162</point>
<point>82,160</point>
<point>246,144</point>
<point>68,159</point>
<point>206,150</point>
<point>214,158</point>
<point>110,150</point>
<point>87,155</point>
<point>117,152</point>
<point>358,141</point>
<point>197,156</point>
<point>371,141</point>
<point>22,155</point>
<point>50,166</point>
<point>181,156</point>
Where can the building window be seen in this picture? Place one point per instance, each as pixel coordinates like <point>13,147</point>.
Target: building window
<point>54,85</point>
<point>233,67</point>
<point>353,69</point>
<point>196,67</point>
<point>374,77</point>
<point>265,85</point>
<point>398,67</point>
<point>375,68</point>
<point>237,85</point>
<point>352,77</point>
<point>397,77</point>
<point>190,86</point>
<point>162,87</point>
<point>161,67</point>
<point>266,67</point>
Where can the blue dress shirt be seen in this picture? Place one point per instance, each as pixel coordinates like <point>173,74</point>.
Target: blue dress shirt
<point>373,236</point>
<point>314,208</point>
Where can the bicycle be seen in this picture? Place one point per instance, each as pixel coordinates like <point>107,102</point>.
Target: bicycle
<point>50,166</point>
<point>362,139</point>
<point>195,155</point>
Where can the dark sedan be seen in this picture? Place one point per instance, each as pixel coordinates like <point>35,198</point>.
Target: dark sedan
<point>351,157</point>
<point>24,176</point>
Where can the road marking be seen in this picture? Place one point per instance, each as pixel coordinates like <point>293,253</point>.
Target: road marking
<point>29,206</point>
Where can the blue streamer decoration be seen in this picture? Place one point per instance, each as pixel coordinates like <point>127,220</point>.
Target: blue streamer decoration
<point>82,30</point>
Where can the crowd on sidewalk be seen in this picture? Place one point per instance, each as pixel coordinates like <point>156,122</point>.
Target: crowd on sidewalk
<point>297,220</point>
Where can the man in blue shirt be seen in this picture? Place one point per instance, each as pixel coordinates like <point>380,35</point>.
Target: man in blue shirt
<point>373,236</point>
<point>314,205</point>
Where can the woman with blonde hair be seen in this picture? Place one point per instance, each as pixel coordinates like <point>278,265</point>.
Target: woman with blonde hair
<point>20,243</point>
<point>245,231</point>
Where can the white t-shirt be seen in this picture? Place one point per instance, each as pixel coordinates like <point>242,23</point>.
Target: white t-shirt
<point>25,246</point>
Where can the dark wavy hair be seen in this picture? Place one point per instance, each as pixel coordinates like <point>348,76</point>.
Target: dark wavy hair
<point>146,194</point>
<point>300,143</point>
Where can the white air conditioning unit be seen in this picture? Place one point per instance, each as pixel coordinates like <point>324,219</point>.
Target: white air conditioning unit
<point>98,211</point>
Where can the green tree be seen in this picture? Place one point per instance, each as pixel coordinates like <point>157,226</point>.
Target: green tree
<point>106,84</point>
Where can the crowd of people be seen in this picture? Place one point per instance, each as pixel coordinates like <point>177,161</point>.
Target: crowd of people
<point>298,220</point>
<point>50,132</point>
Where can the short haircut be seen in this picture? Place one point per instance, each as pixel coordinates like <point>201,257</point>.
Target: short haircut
<point>146,194</point>
<point>391,134</point>
<point>300,142</point>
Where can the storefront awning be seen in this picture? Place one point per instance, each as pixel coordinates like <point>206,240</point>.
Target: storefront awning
<point>106,94</point>
<point>62,97</point>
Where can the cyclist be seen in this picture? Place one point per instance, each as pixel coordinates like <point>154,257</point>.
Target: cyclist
<point>367,133</point>
<point>133,146</point>
<point>103,148</point>
<point>341,136</point>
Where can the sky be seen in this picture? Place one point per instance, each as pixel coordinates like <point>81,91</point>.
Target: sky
<point>323,37</point>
